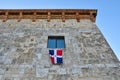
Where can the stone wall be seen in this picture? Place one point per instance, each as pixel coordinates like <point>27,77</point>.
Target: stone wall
<point>24,54</point>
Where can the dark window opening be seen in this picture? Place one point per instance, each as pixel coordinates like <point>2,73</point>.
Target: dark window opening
<point>56,42</point>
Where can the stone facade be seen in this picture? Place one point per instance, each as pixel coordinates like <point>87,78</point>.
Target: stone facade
<point>24,54</point>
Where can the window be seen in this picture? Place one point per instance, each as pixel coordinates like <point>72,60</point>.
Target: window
<point>56,42</point>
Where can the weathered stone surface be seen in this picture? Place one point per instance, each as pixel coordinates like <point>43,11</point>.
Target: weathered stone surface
<point>24,54</point>
<point>42,73</point>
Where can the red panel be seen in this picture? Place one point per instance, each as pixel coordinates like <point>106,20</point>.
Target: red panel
<point>52,60</point>
<point>59,52</point>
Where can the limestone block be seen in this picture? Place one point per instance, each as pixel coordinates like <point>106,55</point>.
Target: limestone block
<point>41,73</point>
<point>52,71</point>
<point>29,70</point>
<point>76,70</point>
<point>111,65</point>
<point>21,69</point>
<point>8,61</point>
<point>2,58</point>
<point>8,78</point>
<point>62,71</point>
<point>15,78</point>
<point>39,55</point>
<point>1,77</point>
<point>2,71</point>
<point>57,71</point>
<point>19,34</point>
<point>12,71</point>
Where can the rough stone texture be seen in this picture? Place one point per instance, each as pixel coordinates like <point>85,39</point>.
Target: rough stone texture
<point>24,54</point>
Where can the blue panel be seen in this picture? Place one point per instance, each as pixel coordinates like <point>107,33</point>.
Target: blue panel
<point>51,52</point>
<point>60,43</point>
<point>51,43</point>
<point>59,60</point>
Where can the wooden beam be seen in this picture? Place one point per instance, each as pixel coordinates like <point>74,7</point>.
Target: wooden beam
<point>77,17</point>
<point>5,17</point>
<point>49,16</point>
<point>34,17</point>
<point>92,17</point>
<point>63,16</point>
<point>20,17</point>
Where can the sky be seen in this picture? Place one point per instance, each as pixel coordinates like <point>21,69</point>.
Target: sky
<point>107,18</point>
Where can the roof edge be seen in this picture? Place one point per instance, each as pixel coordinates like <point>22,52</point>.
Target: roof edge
<point>49,14</point>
